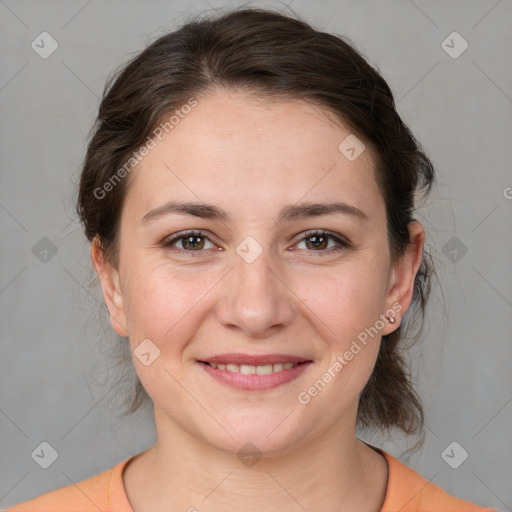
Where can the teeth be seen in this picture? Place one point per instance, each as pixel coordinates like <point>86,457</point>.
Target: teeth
<point>264,370</point>
<point>246,369</point>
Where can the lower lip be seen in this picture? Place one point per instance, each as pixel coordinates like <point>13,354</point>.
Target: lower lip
<point>254,382</point>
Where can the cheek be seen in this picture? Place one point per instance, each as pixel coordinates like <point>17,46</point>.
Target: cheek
<point>163,305</point>
<point>345,309</point>
<point>350,347</point>
<point>344,301</point>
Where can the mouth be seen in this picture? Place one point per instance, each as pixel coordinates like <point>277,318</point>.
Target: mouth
<point>247,372</point>
<point>246,369</point>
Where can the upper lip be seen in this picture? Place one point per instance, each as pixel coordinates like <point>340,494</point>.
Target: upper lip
<point>253,360</point>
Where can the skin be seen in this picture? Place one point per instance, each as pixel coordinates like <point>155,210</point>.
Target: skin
<point>252,157</point>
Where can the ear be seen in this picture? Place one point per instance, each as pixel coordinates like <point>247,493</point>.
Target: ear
<point>109,278</point>
<point>402,276</point>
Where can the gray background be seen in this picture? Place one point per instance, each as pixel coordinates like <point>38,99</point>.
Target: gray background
<point>56,385</point>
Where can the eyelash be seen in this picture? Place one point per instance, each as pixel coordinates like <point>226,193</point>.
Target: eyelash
<point>342,244</point>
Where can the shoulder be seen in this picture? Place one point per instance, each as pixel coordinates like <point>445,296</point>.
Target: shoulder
<point>99,492</point>
<point>408,491</point>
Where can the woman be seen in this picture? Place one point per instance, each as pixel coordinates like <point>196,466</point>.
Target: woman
<point>249,194</point>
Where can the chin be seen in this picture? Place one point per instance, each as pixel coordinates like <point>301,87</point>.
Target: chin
<point>256,435</point>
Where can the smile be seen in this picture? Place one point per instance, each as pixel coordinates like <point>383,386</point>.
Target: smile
<point>246,369</point>
<point>254,377</point>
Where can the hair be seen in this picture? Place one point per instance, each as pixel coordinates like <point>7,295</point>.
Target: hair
<point>274,56</point>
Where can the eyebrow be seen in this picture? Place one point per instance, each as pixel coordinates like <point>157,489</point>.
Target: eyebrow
<point>287,214</point>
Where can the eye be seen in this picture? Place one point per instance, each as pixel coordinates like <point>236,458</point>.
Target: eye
<point>315,241</point>
<point>190,241</point>
<point>318,241</point>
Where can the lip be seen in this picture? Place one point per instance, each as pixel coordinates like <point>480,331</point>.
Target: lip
<point>254,360</point>
<point>255,382</point>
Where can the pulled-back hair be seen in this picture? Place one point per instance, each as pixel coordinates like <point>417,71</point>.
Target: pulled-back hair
<point>280,57</point>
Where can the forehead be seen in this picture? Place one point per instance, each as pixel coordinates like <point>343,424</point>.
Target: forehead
<point>247,150</point>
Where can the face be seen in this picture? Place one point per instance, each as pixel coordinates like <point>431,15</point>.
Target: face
<point>253,276</point>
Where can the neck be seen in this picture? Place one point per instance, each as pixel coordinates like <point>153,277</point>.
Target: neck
<point>182,472</point>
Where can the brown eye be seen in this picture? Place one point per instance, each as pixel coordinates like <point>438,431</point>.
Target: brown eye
<point>317,242</point>
<point>320,241</point>
<point>191,242</point>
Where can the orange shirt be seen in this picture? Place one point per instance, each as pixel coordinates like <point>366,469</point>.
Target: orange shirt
<point>407,491</point>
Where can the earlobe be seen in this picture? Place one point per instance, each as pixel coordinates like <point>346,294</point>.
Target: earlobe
<point>109,278</point>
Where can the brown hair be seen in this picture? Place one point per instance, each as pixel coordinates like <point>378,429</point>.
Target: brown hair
<point>272,55</point>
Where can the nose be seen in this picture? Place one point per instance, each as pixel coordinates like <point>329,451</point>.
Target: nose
<point>255,298</point>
